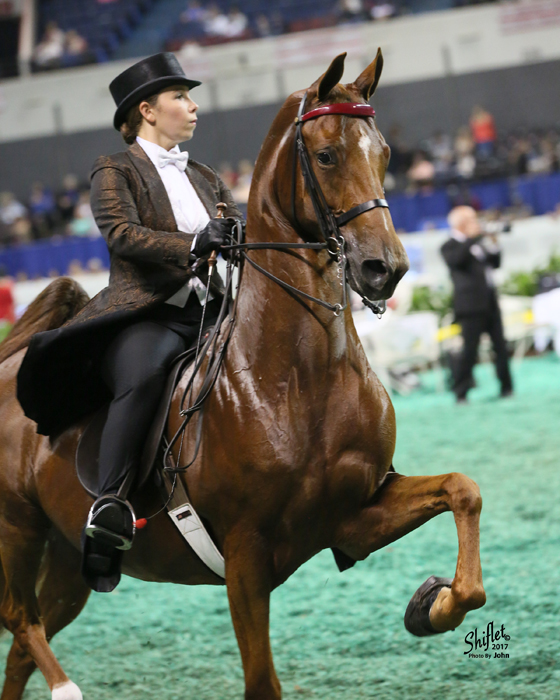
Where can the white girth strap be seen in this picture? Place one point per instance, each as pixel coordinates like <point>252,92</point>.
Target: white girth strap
<point>191,528</point>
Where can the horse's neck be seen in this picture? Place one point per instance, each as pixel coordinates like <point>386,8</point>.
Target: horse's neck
<point>277,326</point>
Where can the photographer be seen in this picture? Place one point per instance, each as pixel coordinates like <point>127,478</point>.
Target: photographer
<point>471,257</point>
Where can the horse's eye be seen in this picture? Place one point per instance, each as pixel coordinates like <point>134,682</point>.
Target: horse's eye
<point>324,158</point>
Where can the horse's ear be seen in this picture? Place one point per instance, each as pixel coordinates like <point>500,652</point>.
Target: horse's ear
<point>331,77</point>
<point>367,81</point>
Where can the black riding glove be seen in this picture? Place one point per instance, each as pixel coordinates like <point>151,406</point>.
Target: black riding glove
<point>213,236</point>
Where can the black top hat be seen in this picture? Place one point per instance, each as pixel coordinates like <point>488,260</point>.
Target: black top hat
<point>146,78</point>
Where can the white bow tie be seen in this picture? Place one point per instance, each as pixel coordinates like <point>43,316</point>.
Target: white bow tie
<point>180,160</point>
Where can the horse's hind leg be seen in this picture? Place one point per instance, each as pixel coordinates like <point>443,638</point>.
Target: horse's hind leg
<point>23,531</point>
<point>402,504</point>
<point>62,597</point>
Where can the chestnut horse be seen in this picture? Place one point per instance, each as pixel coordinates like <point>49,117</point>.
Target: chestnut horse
<point>297,438</point>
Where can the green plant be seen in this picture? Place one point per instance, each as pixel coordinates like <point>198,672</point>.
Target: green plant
<point>431,299</point>
<point>526,284</point>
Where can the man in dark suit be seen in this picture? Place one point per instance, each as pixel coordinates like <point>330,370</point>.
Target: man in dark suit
<point>471,258</point>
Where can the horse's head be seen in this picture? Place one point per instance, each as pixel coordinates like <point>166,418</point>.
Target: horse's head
<point>349,157</point>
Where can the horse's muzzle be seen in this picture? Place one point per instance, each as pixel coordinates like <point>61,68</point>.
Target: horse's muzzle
<point>380,278</point>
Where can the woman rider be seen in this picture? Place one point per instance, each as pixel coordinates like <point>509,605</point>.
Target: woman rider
<point>156,208</point>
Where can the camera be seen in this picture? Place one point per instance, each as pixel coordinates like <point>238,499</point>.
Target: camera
<point>492,228</point>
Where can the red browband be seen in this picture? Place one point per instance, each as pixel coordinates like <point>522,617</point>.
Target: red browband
<point>352,109</point>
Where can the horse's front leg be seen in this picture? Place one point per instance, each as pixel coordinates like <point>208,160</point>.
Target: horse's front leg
<point>402,504</point>
<point>248,579</point>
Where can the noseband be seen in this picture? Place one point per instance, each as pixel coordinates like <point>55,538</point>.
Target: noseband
<point>329,224</point>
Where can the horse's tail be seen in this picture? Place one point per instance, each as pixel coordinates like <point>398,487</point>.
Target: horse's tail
<point>56,304</point>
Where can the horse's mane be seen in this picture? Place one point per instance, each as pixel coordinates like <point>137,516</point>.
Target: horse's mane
<point>55,305</point>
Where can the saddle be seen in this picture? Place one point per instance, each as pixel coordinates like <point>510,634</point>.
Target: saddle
<point>173,491</point>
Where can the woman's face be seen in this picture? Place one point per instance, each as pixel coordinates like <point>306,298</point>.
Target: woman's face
<point>173,117</point>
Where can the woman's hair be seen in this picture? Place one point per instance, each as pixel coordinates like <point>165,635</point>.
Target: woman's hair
<point>131,126</point>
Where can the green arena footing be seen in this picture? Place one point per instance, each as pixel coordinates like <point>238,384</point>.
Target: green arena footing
<point>341,636</point>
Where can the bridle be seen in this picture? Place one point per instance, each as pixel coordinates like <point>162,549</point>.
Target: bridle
<point>329,224</point>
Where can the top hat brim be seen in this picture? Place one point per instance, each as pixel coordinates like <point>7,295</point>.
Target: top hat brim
<point>146,90</point>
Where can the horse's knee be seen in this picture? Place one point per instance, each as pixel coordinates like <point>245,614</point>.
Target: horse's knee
<point>66,691</point>
<point>464,494</point>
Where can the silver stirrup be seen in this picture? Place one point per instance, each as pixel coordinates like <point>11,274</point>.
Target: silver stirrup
<point>124,543</point>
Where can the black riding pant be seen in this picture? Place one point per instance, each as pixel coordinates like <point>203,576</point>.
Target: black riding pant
<point>473,326</point>
<point>135,368</point>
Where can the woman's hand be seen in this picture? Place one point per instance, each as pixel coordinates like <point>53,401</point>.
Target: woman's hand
<point>213,236</point>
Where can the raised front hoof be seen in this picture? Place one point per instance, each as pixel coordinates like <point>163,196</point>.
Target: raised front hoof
<point>417,615</point>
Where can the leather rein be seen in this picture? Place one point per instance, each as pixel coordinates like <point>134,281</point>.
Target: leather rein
<point>329,224</point>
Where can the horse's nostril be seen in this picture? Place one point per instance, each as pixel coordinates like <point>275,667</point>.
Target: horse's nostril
<point>375,272</point>
<point>376,267</point>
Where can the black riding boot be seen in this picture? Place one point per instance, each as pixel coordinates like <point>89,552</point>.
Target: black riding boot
<point>108,532</point>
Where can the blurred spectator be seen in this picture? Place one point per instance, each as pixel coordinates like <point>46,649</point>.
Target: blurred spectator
<point>59,48</point>
<point>464,153</point>
<point>382,10</point>
<point>75,43</point>
<point>401,155</point>
<point>269,25</point>
<point>422,171</point>
<point>68,197</point>
<point>543,157</point>
<point>262,26</point>
<point>351,11</point>
<point>277,23</point>
<point>240,192</point>
<point>83,223</point>
<point>42,210</point>
<point>15,226</point>
<point>194,13</point>
<point>518,155</point>
<point>228,175</point>
<point>20,231</point>
<point>50,49</point>
<point>484,131</point>
<point>216,22</point>
<point>440,148</point>
<point>10,208</point>
<point>237,22</point>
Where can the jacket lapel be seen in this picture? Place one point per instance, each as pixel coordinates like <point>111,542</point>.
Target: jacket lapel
<point>204,190</point>
<point>155,188</point>
<point>162,206</point>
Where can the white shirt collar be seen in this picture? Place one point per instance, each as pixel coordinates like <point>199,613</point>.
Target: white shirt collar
<point>152,150</point>
<point>458,236</point>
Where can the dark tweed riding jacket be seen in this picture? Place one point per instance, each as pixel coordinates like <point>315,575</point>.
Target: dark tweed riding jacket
<point>59,380</point>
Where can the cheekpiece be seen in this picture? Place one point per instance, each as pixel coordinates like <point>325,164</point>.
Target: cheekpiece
<point>146,78</point>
